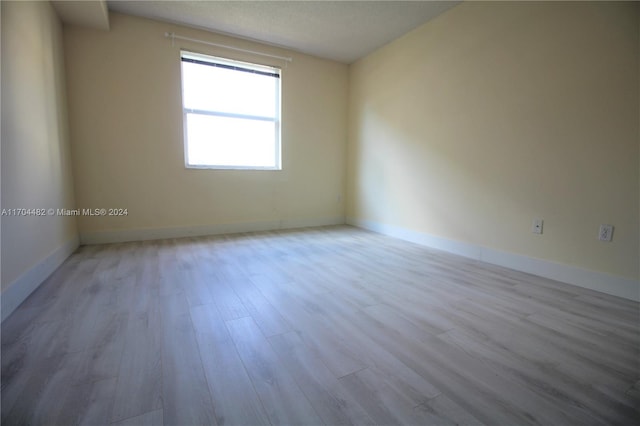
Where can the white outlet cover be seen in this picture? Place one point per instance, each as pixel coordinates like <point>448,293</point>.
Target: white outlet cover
<point>536,227</point>
<point>605,233</point>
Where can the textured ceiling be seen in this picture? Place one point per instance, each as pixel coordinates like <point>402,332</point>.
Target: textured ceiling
<point>340,30</point>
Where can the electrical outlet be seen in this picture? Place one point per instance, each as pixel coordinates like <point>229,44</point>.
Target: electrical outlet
<point>606,232</point>
<point>536,228</point>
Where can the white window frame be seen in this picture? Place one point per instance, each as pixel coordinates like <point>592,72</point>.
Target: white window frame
<point>229,63</point>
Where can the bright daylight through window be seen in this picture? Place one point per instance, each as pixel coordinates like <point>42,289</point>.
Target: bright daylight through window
<point>231,113</point>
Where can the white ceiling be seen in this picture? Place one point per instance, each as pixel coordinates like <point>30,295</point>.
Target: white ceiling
<point>340,30</point>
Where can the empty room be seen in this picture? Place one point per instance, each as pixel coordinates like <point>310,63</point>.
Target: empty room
<point>320,213</point>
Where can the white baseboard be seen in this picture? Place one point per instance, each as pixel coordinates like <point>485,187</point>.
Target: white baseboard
<point>30,280</point>
<point>599,281</point>
<point>119,236</point>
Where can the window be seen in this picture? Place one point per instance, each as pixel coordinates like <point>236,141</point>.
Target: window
<point>231,113</point>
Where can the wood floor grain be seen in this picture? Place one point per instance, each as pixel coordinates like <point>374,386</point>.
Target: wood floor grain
<point>331,325</point>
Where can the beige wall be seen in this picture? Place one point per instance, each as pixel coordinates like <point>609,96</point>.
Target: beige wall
<point>126,132</point>
<point>36,165</point>
<point>497,113</point>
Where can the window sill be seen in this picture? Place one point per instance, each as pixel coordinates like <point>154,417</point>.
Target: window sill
<point>207,167</point>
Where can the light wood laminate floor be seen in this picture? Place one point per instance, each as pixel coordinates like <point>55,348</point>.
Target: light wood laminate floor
<point>317,326</point>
